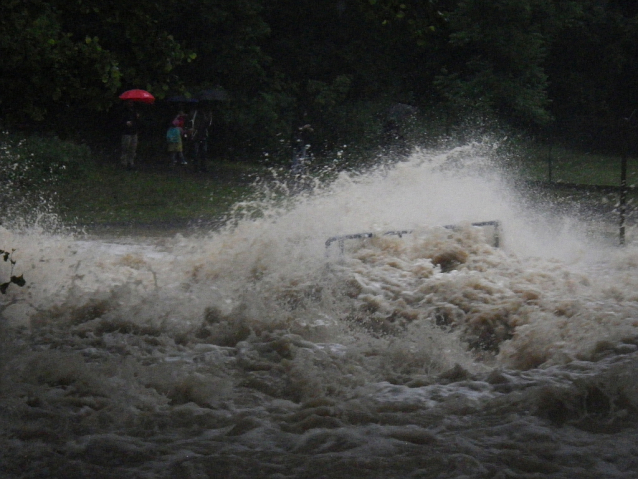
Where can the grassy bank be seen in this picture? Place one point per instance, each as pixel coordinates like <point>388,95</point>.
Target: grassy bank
<point>95,194</point>
<point>109,195</point>
<point>564,165</point>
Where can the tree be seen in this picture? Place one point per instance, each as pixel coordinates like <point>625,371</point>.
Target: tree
<point>342,64</point>
<point>497,50</point>
<point>592,62</point>
<point>228,38</point>
<point>418,18</point>
<point>79,53</point>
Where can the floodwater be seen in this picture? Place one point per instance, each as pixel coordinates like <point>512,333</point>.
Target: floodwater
<point>256,351</point>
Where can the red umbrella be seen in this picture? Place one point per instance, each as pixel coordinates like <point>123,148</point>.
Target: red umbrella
<point>141,96</point>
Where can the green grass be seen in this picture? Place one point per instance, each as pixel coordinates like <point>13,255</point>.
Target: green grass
<point>108,194</point>
<point>572,166</point>
<point>571,172</point>
<point>87,190</point>
<point>90,193</point>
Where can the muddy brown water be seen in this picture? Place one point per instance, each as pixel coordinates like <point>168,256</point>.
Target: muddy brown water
<point>252,351</point>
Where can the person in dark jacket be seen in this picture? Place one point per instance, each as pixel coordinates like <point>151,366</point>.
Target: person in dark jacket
<point>130,126</point>
<point>202,120</point>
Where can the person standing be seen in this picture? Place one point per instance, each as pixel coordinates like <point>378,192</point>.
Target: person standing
<point>130,126</point>
<point>201,122</point>
<point>300,147</point>
<point>174,140</point>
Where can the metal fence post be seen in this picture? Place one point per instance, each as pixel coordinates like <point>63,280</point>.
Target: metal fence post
<point>622,204</point>
<point>549,161</point>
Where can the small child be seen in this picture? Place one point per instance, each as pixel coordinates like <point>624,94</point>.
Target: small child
<point>174,139</point>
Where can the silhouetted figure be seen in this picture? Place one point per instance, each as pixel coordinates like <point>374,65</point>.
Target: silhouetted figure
<point>300,150</point>
<point>397,118</point>
<point>201,121</point>
<point>129,126</point>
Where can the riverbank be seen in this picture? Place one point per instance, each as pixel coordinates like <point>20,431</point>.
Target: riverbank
<point>110,198</point>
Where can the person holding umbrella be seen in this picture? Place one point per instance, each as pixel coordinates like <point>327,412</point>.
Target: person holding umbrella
<point>130,125</point>
<point>202,120</point>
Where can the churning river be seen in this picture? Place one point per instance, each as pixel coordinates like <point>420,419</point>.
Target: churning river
<point>265,350</point>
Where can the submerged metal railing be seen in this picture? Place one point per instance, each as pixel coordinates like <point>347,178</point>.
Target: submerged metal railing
<point>341,239</point>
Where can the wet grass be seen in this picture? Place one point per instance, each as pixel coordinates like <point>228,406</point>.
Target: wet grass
<point>565,165</point>
<point>584,185</point>
<point>107,195</point>
<point>110,195</point>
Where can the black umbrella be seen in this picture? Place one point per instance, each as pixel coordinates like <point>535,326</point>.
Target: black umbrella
<point>216,94</point>
<point>182,99</point>
<point>400,111</point>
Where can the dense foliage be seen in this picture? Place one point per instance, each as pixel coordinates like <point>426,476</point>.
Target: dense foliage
<point>338,64</point>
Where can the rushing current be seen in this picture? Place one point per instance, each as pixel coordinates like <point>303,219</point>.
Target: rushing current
<point>284,346</point>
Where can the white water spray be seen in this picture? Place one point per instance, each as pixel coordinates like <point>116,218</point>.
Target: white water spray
<point>165,357</point>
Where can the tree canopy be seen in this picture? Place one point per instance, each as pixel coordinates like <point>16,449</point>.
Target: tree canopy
<point>528,62</point>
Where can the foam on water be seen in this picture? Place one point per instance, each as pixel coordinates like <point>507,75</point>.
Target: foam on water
<point>255,351</point>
